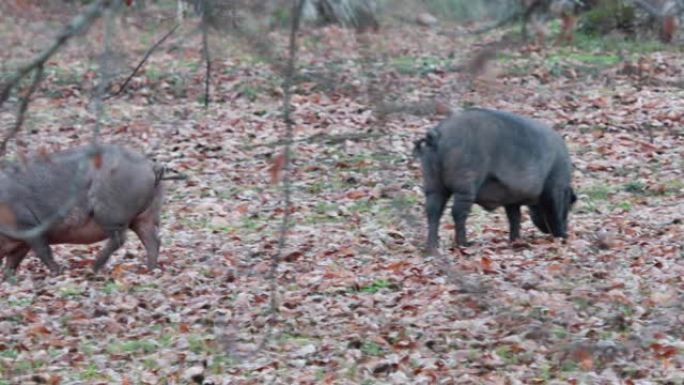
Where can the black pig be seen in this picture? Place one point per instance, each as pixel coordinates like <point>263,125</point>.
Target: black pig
<point>495,158</point>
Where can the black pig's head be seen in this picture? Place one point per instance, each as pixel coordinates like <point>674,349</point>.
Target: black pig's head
<point>542,221</point>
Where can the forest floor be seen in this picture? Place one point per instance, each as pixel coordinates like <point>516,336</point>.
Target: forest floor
<point>358,303</point>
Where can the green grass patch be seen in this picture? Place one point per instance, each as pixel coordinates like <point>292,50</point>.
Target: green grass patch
<point>559,333</point>
<point>19,302</point>
<point>411,65</point>
<point>70,291</point>
<point>249,91</point>
<point>111,287</point>
<point>63,77</point>
<point>27,366</point>
<point>609,43</point>
<point>674,186</point>
<point>568,366</point>
<point>378,285</point>
<point>635,187</point>
<point>624,205</point>
<point>298,339</point>
<point>372,349</point>
<point>134,346</point>
<point>597,192</point>
<point>9,353</point>
<point>198,344</point>
<point>90,372</point>
<point>508,356</point>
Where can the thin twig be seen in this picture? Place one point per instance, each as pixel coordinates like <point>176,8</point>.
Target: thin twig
<point>321,138</point>
<point>288,81</point>
<point>37,76</point>
<point>78,24</point>
<point>205,54</point>
<point>92,151</point>
<point>105,74</point>
<point>147,55</point>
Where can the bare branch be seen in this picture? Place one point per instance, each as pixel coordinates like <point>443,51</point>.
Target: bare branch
<point>77,25</point>
<point>93,151</point>
<point>105,73</point>
<point>147,55</point>
<point>297,6</point>
<point>321,138</point>
<point>288,82</point>
<point>205,55</point>
<point>37,76</point>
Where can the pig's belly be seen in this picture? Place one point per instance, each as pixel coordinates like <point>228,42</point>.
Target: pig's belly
<point>88,232</point>
<point>493,194</point>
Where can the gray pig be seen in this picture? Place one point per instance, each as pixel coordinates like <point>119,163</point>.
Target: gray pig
<point>495,158</point>
<point>101,191</point>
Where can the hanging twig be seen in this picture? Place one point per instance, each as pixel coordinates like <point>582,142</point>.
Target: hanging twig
<point>288,81</point>
<point>149,52</point>
<point>205,52</point>
<point>297,6</point>
<point>79,177</point>
<point>77,25</point>
<point>105,74</point>
<point>323,138</point>
<point>37,76</point>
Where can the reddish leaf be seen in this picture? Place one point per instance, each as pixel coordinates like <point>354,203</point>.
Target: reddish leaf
<point>663,351</point>
<point>276,168</point>
<point>486,264</point>
<point>356,194</point>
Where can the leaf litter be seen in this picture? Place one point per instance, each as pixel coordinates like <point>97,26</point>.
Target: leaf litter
<point>358,303</point>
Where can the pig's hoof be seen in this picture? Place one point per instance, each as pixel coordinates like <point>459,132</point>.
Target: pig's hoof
<point>56,270</point>
<point>432,251</point>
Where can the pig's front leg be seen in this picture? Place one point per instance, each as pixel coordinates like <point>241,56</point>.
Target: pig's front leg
<point>116,239</point>
<point>513,214</point>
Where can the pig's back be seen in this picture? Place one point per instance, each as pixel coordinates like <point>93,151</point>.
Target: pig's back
<point>486,146</point>
<point>484,133</point>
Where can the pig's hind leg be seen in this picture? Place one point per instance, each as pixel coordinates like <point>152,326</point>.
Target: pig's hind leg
<point>14,258</point>
<point>459,211</point>
<point>147,229</point>
<point>435,202</point>
<point>17,255</point>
